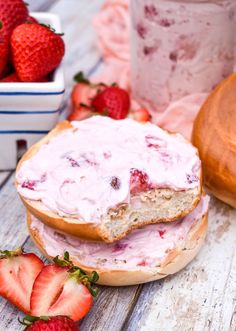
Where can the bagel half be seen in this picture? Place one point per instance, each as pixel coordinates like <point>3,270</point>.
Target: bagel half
<point>146,207</point>
<point>214,135</point>
<point>189,234</point>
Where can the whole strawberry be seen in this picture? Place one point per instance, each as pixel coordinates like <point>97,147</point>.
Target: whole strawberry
<point>4,50</point>
<point>12,13</point>
<point>112,101</point>
<point>12,78</point>
<point>44,323</point>
<point>37,51</point>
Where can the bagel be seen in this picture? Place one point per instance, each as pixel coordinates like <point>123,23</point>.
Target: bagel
<point>99,179</point>
<point>146,254</point>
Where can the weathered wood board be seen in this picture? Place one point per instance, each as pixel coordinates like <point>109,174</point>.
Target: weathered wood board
<point>200,297</point>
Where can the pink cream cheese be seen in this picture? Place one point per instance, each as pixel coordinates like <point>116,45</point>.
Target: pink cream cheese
<point>180,47</point>
<point>99,163</point>
<point>146,247</point>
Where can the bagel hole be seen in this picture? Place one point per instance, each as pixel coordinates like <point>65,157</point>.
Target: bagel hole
<point>21,148</point>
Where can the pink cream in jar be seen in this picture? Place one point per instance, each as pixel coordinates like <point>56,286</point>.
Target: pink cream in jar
<point>180,47</point>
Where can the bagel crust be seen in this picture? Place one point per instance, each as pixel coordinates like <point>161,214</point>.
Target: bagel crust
<point>154,206</point>
<point>176,259</point>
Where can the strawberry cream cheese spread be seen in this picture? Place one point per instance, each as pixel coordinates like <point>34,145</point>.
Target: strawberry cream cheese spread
<point>100,163</point>
<point>146,247</point>
<point>179,47</point>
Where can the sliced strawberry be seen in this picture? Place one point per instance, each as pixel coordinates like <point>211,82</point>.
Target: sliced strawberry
<point>80,114</point>
<point>82,94</point>
<point>112,101</point>
<point>62,289</point>
<point>18,271</point>
<point>46,289</point>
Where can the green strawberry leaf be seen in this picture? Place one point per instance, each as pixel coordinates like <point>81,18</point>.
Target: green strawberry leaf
<point>80,78</point>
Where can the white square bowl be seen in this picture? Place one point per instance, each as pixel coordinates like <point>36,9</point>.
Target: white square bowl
<point>29,110</point>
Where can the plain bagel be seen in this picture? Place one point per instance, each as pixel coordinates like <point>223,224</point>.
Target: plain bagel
<point>152,205</point>
<point>214,135</point>
<point>132,270</point>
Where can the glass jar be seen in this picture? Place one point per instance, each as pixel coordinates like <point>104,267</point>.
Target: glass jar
<point>180,47</point>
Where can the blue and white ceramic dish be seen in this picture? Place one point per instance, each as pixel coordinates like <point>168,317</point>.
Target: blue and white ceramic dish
<point>29,110</point>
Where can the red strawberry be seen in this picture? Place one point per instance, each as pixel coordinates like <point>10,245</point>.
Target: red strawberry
<point>17,274</point>
<point>43,80</point>
<point>141,115</point>
<point>80,114</point>
<point>12,78</point>
<point>36,50</point>
<point>113,101</point>
<point>4,50</point>
<point>44,323</point>
<point>81,97</point>
<point>139,181</point>
<point>62,289</point>
<point>12,13</point>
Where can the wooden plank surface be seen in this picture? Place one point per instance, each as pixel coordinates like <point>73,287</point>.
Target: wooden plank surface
<point>3,177</point>
<point>201,297</point>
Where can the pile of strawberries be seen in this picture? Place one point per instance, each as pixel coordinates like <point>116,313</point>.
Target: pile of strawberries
<point>29,51</point>
<point>60,292</point>
<point>92,99</point>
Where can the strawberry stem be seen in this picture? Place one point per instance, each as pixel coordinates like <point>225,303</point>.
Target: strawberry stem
<point>48,26</point>
<point>29,320</point>
<point>78,273</point>
<point>0,25</point>
<point>84,279</point>
<point>65,262</point>
<point>80,78</point>
<point>8,254</point>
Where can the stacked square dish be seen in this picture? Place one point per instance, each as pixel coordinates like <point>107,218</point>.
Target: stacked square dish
<point>123,198</point>
<point>29,110</point>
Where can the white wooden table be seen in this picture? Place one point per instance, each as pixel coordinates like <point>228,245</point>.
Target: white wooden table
<point>200,297</point>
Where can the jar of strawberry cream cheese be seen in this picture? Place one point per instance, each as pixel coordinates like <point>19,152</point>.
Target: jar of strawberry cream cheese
<point>180,47</point>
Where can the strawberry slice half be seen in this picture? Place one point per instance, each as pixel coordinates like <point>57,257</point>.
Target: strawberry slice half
<point>62,289</point>
<point>18,271</point>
